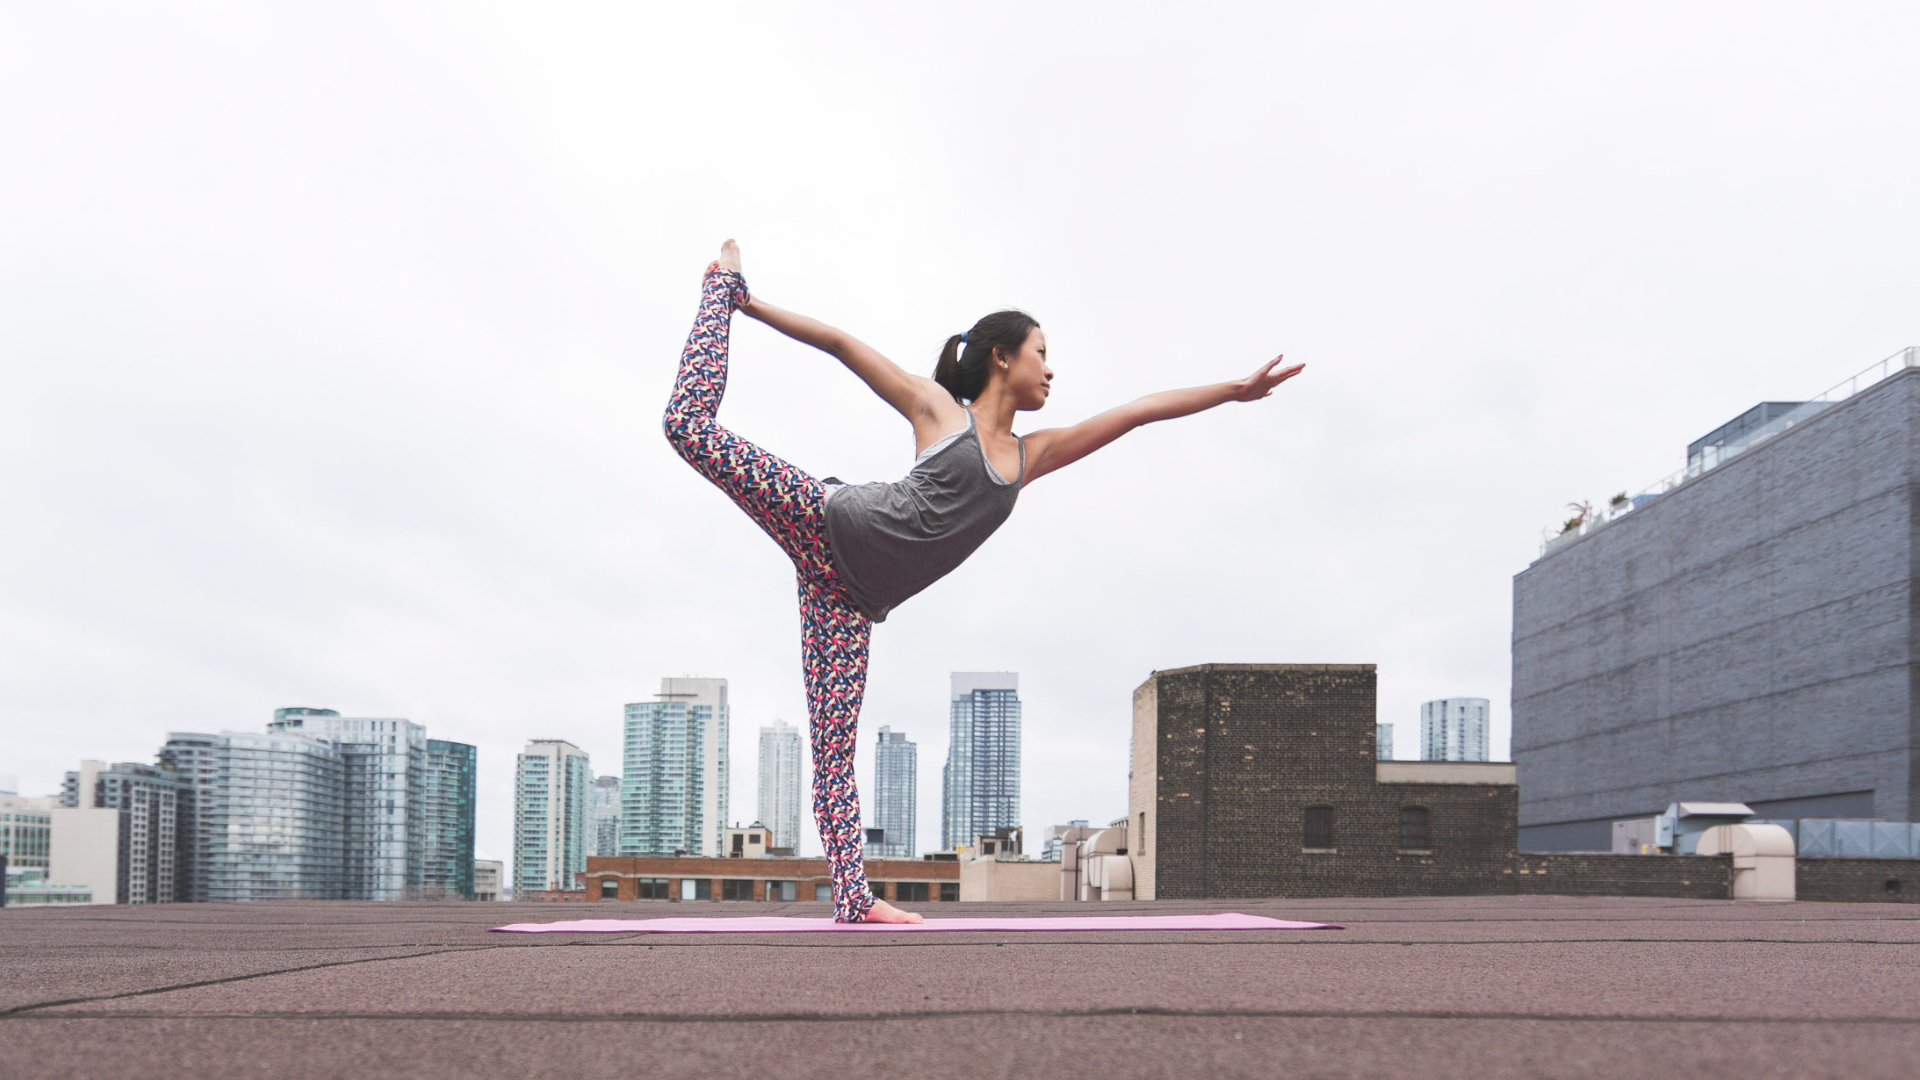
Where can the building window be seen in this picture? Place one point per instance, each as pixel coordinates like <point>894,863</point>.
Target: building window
<point>609,889</point>
<point>823,890</point>
<point>651,889</point>
<point>950,891</point>
<point>879,889</point>
<point>696,888</point>
<point>1319,833</point>
<point>1413,828</point>
<point>781,890</point>
<point>1140,844</point>
<point>910,890</point>
<point>736,889</point>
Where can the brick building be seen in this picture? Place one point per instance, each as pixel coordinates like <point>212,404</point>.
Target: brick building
<point>774,877</point>
<point>1258,780</point>
<point>1263,780</point>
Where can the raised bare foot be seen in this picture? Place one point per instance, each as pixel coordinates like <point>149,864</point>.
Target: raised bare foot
<point>881,911</point>
<point>729,257</point>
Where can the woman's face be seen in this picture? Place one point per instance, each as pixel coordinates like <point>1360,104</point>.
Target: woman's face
<point>1026,373</point>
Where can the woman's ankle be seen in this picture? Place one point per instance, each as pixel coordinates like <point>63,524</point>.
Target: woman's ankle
<point>733,280</point>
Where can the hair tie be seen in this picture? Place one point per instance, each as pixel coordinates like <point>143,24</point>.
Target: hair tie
<point>963,337</point>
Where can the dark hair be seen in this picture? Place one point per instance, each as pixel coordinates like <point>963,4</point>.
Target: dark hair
<point>964,374</point>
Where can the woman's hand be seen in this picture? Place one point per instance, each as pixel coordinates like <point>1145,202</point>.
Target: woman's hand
<point>1261,383</point>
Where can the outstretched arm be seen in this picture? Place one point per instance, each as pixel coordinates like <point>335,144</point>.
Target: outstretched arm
<point>1056,448</point>
<point>915,397</point>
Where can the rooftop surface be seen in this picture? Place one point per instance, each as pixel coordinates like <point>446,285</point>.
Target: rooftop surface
<point>1480,987</point>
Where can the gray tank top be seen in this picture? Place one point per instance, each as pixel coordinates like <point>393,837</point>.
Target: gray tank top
<point>892,540</point>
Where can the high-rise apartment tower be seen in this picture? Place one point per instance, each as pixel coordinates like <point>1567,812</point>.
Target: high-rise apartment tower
<point>551,782</point>
<point>606,815</point>
<point>384,765</point>
<point>980,783</point>
<point>673,783</point>
<point>781,767</point>
<point>448,809</point>
<point>1454,729</point>
<point>895,789</point>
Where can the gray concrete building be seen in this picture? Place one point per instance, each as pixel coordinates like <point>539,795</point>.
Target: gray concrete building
<point>155,851</point>
<point>1745,632</point>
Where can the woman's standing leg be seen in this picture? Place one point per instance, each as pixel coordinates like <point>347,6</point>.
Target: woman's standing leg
<point>833,646</point>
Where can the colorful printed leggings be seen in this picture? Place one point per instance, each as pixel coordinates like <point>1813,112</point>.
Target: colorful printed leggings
<point>791,507</point>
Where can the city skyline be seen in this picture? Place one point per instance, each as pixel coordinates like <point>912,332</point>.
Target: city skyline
<point>868,762</point>
<point>482,529</point>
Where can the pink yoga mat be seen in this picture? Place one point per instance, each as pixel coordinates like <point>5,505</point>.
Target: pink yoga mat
<point>781,924</point>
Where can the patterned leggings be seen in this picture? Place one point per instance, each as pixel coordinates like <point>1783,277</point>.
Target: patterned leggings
<point>791,507</point>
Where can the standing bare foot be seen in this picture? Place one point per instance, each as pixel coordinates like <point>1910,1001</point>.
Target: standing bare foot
<point>883,912</point>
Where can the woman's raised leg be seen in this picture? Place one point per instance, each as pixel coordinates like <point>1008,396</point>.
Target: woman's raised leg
<point>780,498</point>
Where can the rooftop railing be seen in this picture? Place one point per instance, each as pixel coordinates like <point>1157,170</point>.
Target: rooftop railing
<point>1712,457</point>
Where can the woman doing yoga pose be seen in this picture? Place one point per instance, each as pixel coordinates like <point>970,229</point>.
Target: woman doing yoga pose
<point>862,549</point>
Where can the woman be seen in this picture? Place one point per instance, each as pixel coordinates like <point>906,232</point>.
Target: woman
<point>862,549</point>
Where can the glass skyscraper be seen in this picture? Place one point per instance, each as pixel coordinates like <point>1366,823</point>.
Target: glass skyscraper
<point>781,767</point>
<point>980,783</point>
<point>323,806</point>
<point>1454,729</point>
<point>606,815</point>
<point>673,794</point>
<point>448,810</point>
<point>275,822</point>
<point>551,807</point>
<point>895,791</point>
<point>384,766</point>
<point>195,758</point>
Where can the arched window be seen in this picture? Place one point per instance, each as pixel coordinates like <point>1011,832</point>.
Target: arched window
<point>1319,833</point>
<point>1413,827</point>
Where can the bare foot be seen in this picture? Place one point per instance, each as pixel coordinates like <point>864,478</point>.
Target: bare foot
<point>881,911</point>
<point>729,257</point>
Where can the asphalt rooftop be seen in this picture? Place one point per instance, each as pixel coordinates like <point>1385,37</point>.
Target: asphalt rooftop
<point>1480,987</point>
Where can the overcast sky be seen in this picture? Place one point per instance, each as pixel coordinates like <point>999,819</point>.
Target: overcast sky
<point>335,342</point>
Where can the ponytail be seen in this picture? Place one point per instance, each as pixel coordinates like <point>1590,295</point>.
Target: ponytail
<point>963,373</point>
<point>947,371</point>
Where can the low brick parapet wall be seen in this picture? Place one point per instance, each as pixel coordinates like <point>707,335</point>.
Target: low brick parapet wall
<point>1858,880</point>
<point>1579,873</point>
